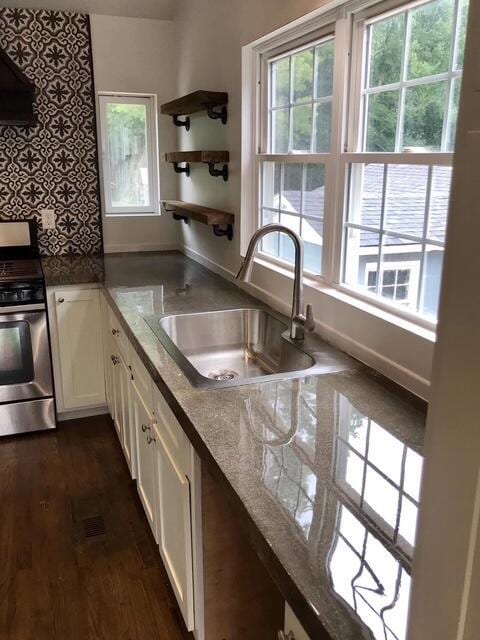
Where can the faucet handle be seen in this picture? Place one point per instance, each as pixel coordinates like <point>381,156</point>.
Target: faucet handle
<point>309,320</point>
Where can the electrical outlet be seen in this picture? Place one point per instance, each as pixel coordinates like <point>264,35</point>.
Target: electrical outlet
<point>48,218</point>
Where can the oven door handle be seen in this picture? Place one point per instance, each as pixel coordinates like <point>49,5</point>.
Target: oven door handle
<point>20,308</point>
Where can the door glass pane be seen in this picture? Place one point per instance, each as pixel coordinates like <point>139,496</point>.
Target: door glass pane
<point>127,153</point>
<point>16,363</point>
<point>424,113</point>
<point>382,121</point>
<point>430,39</point>
<point>386,42</point>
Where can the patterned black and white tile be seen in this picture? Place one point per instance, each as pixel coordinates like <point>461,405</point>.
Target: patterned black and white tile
<point>53,164</point>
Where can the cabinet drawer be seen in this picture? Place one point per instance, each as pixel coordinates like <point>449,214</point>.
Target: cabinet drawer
<point>171,433</point>
<point>141,379</point>
<point>120,339</point>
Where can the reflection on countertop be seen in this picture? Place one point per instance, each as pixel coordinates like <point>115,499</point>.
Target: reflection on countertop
<point>327,467</point>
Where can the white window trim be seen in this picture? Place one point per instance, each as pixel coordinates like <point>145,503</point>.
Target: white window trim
<point>150,101</point>
<point>412,266</point>
<point>347,84</point>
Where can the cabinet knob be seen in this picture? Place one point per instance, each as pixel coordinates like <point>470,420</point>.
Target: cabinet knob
<point>150,439</point>
<point>60,300</point>
<point>115,332</point>
<point>145,428</point>
<point>114,359</point>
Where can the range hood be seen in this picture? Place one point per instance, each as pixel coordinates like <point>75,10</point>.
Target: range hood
<point>17,94</point>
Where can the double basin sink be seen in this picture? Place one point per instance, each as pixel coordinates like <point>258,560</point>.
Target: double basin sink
<point>231,347</point>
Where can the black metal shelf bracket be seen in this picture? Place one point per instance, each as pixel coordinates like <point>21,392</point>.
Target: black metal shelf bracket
<point>182,123</point>
<point>216,173</point>
<point>218,115</point>
<point>185,169</point>
<point>178,216</point>
<point>223,232</point>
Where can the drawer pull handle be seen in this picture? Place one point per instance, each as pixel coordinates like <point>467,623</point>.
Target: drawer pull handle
<point>145,428</point>
<point>150,439</point>
<point>115,332</point>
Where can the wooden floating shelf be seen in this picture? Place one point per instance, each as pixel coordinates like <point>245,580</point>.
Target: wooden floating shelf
<point>214,218</point>
<point>207,157</point>
<point>194,102</point>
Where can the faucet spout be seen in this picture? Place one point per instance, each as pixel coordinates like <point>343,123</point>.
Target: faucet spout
<point>299,321</point>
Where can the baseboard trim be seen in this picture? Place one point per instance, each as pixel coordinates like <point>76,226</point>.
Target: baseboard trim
<point>130,247</point>
<point>86,412</point>
<point>405,377</point>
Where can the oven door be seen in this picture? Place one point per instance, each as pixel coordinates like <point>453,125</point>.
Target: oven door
<point>25,371</point>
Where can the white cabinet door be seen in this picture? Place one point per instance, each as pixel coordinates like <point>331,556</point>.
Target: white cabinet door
<point>146,458</point>
<point>175,521</point>
<point>108,354</point>
<point>80,347</point>
<point>126,413</point>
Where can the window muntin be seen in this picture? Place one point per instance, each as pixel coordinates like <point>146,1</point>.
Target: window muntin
<point>129,151</point>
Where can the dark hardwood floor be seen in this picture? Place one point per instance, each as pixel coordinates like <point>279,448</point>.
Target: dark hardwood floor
<point>61,578</point>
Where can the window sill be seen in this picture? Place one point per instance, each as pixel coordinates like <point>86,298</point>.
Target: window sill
<point>343,295</point>
<point>133,214</point>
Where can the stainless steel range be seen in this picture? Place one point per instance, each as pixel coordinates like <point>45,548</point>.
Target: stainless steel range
<point>26,387</point>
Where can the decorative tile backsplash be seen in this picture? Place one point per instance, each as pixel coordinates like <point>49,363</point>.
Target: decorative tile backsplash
<point>53,164</point>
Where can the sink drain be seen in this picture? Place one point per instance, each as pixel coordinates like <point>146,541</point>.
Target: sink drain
<point>223,375</point>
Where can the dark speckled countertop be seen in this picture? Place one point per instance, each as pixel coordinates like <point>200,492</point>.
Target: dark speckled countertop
<point>326,469</point>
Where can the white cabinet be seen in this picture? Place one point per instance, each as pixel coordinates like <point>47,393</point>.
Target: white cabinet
<point>293,628</point>
<point>146,458</point>
<point>77,347</point>
<point>174,506</point>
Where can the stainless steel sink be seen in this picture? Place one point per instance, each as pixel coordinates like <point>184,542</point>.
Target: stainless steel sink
<point>239,346</point>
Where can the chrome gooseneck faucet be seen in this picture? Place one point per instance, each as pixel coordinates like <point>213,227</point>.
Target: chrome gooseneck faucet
<point>299,321</point>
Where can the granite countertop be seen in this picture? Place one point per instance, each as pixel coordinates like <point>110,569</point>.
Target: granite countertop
<point>326,469</point>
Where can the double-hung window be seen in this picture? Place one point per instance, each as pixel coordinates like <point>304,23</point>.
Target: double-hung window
<point>129,154</point>
<point>353,144</point>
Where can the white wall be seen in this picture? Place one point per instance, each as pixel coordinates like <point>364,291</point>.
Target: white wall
<point>446,571</point>
<point>210,34</point>
<point>138,55</point>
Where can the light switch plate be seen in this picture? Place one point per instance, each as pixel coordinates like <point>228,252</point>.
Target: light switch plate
<point>48,218</point>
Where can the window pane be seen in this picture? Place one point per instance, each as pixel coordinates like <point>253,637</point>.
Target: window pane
<point>312,234</point>
<point>292,188</point>
<point>453,115</point>
<point>430,39</point>
<point>324,70</point>
<point>323,130</point>
<point>439,201</point>
<point>424,113</point>
<point>387,41</point>
<point>406,199</point>
<point>281,82</point>
<point>461,33</point>
<point>314,192</point>
<point>271,184</point>
<point>366,194</point>
<point>431,280</point>
<point>382,121</point>
<point>127,154</point>
<point>287,249</point>
<point>302,67</point>
<point>280,130</point>
<point>362,250</point>
<point>302,128</point>
<point>270,241</point>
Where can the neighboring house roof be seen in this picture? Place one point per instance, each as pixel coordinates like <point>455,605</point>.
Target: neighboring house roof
<point>405,202</point>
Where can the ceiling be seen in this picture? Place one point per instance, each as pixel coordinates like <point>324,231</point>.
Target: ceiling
<point>160,9</point>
